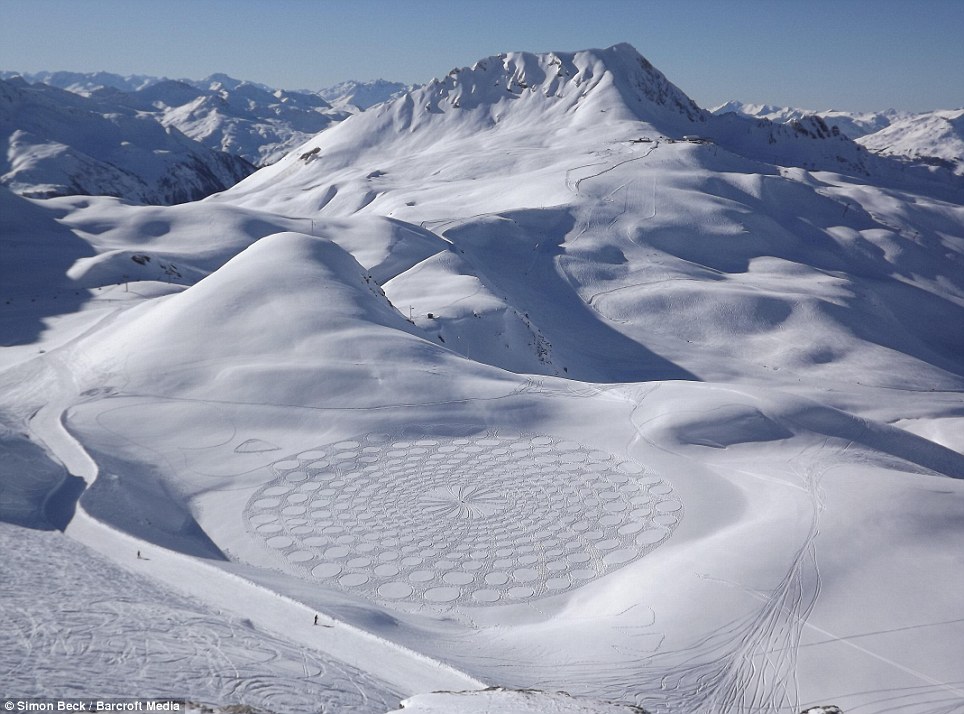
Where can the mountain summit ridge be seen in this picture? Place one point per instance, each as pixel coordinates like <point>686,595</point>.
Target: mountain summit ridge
<point>523,102</point>
<point>618,80</point>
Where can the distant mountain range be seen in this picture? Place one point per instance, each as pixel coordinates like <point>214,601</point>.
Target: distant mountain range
<point>201,136</point>
<point>251,120</point>
<point>362,95</point>
<point>934,138</point>
<point>60,143</point>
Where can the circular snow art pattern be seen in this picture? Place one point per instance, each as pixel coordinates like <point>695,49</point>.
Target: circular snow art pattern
<point>447,520</point>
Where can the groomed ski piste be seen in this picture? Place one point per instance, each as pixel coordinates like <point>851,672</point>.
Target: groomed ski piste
<point>519,393</point>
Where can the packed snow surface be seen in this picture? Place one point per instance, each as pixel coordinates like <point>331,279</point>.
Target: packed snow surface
<point>510,702</point>
<point>503,383</point>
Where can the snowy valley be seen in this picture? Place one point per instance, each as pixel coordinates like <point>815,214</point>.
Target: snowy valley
<point>536,378</point>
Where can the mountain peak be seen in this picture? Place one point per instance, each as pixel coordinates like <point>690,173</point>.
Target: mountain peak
<point>362,95</point>
<point>617,80</point>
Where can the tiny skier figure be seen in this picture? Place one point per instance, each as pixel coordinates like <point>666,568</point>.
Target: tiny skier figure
<point>139,555</point>
<point>316,619</point>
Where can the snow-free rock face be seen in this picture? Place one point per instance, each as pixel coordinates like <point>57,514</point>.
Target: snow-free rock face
<point>59,143</point>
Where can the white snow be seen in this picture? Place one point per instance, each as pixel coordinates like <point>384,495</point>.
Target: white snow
<point>110,631</point>
<point>510,702</point>
<point>930,138</point>
<point>936,138</point>
<point>852,124</point>
<point>58,143</point>
<point>362,95</point>
<point>511,387</point>
<point>247,119</point>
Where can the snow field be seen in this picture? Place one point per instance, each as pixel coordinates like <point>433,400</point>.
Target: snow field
<point>471,521</point>
<point>74,623</point>
<point>622,330</point>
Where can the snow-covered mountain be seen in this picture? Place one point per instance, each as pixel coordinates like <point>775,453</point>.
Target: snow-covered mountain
<point>246,119</point>
<point>929,138</point>
<point>536,377</point>
<point>852,124</point>
<point>362,95</point>
<point>240,118</point>
<point>60,143</point>
<point>84,82</point>
<point>934,138</point>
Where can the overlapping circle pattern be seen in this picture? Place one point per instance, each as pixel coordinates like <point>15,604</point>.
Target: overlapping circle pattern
<point>474,520</point>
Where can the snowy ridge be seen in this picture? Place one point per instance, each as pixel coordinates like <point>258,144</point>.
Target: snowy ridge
<point>362,95</point>
<point>539,101</point>
<point>617,79</point>
<point>247,119</point>
<point>935,139</point>
<point>241,118</point>
<point>84,82</point>
<point>59,143</point>
<point>852,124</point>
<point>927,138</point>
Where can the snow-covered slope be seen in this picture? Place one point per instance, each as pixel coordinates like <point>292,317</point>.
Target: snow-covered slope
<point>247,119</point>
<point>852,124</point>
<point>929,138</point>
<point>59,143</point>
<point>513,386</point>
<point>536,102</point>
<point>84,82</point>
<point>362,95</point>
<point>239,118</point>
<point>934,138</point>
<point>505,701</point>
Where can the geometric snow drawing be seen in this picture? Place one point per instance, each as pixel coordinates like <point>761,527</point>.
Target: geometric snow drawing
<point>444,520</point>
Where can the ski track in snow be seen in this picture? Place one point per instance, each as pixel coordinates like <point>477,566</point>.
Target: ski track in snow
<point>74,624</point>
<point>267,671</point>
<point>573,184</point>
<point>748,665</point>
<point>632,196</point>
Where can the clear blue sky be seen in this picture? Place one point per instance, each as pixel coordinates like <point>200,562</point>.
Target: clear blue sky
<point>817,54</point>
